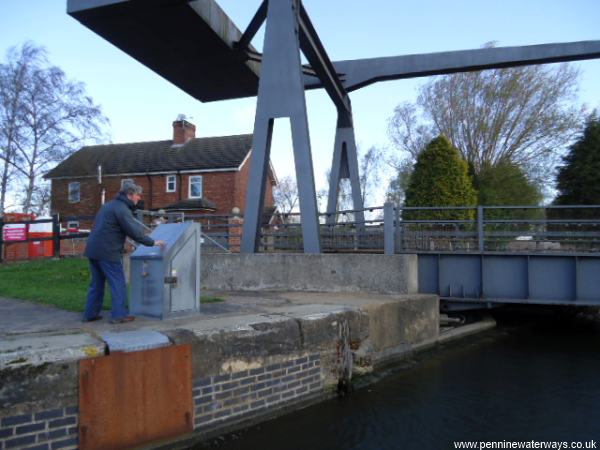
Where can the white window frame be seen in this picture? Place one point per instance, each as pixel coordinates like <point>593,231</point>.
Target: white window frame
<point>190,186</point>
<point>71,191</point>
<point>126,180</point>
<point>73,224</point>
<point>173,179</point>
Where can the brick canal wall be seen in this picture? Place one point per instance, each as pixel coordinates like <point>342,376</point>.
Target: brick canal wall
<point>51,428</point>
<point>241,395</point>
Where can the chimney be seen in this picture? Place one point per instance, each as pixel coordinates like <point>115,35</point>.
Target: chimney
<point>183,131</point>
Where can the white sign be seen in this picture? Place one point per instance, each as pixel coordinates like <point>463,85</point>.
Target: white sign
<point>16,232</point>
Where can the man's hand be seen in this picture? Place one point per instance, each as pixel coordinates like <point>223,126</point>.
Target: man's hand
<point>159,243</point>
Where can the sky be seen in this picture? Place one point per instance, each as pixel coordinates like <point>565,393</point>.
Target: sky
<point>141,105</point>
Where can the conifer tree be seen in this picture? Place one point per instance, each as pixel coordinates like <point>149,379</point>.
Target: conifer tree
<point>578,180</point>
<point>440,178</point>
<point>506,184</point>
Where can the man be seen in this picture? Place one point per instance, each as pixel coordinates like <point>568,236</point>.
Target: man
<point>104,248</point>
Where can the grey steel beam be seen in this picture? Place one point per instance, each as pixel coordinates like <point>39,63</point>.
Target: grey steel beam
<point>281,94</point>
<point>192,45</point>
<point>363,72</point>
<point>317,56</point>
<point>253,26</point>
<point>557,279</point>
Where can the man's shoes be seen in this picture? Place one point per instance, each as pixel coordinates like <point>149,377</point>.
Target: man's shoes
<point>123,319</point>
<point>93,319</point>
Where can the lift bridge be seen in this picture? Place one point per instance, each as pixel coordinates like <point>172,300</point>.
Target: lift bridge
<point>472,257</point>
<point>194,45</point>
<point>488,256</point>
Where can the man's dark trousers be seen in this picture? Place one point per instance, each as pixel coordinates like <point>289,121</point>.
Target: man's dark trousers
<point>113,273</point>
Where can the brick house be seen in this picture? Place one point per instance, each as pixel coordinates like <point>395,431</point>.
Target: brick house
<point>186,174</point>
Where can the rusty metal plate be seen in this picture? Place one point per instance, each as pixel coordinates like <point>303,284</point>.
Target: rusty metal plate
<point>128,399</point>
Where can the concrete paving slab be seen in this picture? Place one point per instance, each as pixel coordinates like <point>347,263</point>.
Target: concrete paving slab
<point>238,310</point>
<point>22,316</point>
<point>34,349</point>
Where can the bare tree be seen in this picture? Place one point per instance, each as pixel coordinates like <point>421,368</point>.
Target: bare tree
<point>285,195</point>
<point>51,117</point>
<point>399,183</point>
<point>370,166</point>
<point>13,76</point>
<point>524,115</point>
<point>40,198</point>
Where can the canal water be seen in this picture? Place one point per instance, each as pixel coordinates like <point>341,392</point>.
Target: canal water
<point>534,378</point>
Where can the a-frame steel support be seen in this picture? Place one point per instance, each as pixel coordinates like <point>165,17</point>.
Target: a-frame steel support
<point>343,166</point>
<point>281,94</point>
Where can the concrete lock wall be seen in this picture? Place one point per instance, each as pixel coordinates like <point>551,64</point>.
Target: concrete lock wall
<point>244,370</point>
<point>387,274</point>
<point>340,316</point>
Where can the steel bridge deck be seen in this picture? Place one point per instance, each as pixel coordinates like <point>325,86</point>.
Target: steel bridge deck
<point>498,278</point>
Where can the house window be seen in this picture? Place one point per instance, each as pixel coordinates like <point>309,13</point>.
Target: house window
<point>171,183</point>
<point>73,225</point>
<point>196,186</point>
<point>126,180</point>
<point>74,195</point>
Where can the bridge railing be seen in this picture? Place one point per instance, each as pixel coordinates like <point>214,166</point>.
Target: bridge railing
<point>347,234</point>
<point>389,229</point>
<point>537,229</point>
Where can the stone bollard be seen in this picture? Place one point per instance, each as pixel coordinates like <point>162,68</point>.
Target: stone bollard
<point>234,239</point>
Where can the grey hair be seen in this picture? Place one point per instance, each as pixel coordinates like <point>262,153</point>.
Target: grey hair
<point>130,188</point>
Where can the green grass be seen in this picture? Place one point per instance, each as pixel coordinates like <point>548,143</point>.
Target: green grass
<point>62,283</point>
<point>210,299</point>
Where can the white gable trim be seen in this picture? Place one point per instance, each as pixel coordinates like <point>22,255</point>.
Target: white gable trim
<point>270,166</point>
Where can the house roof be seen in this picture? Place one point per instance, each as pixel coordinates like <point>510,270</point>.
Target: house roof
<point>222,152</point>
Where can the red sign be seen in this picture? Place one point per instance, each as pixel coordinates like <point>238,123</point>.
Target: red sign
<point>14,232</point>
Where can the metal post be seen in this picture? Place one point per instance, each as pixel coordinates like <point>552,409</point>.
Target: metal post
<point>1,239</point>
<point>399,232</point>
<point>388,229</point>
<point>480,228</point>
<point>56,234</point>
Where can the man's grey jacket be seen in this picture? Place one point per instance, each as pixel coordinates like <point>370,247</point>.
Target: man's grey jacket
<point>113,223</point>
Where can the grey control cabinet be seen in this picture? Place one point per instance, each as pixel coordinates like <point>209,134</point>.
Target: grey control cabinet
<point>165,282</point>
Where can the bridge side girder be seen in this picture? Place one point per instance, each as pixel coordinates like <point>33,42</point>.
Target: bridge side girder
<point>499,278</point>
<point>359,73</point>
